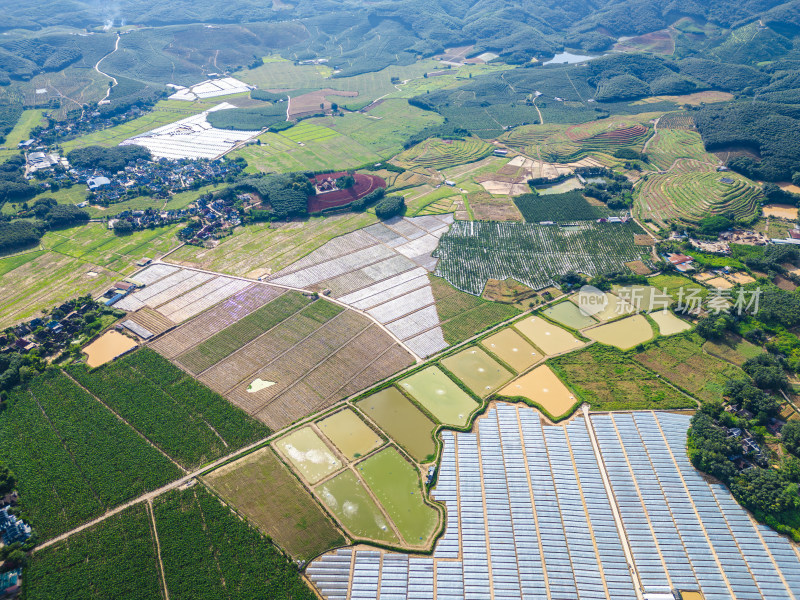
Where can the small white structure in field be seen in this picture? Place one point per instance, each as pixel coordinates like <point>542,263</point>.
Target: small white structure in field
<point>211,88</point>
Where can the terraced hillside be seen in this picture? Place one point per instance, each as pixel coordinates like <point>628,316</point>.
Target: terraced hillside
<point>441,154</point>
<point>604,136</point>
<point>692,190</point>
<point>670,145</point>
<point>527,138</point>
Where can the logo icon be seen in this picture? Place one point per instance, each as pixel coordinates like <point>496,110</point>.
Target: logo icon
<point>591,300</point>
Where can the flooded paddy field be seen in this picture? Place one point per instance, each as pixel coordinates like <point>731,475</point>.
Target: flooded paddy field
<point>107,347</point>
<point>668,323</point>
<point>350,434</point>
<point>570,315</point>
<point>512,349</point>
<point>612,307</point>
<point>644,298</point>
<point>404,422</point>
<point>440,396</point>
<point>623,334</point>
<point>354,508</point>
<point>477,370</point>
<point>543,387</point>
<point>308,454</point>
<point>396,484</point>
<point>548,337</point>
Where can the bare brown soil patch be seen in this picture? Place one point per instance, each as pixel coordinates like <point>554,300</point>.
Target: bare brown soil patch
<point>642,239</point>
<point>310,103</point>
<point>507,291</point>
<point>638,267</point>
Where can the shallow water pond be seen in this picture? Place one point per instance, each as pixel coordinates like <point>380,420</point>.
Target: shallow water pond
<point>512,349</point>
<point>623,334</point>
<point>440,396</point>
<point>668,323</point>
<point>570,315</point>
<point>543,387</point>
<point>402,421</point>
<point>354,508</point>
<point>308,454</point>
<point>477,370</point>
<point>396,484</point>
<point>546,336</point>
<point>350,434</point>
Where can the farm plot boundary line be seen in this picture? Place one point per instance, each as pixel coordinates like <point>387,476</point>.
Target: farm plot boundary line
<point>416,357</point>
<point>157,543</point>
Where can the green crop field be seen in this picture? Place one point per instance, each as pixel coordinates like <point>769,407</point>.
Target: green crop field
<point>564,208</point>
<point>114,559</point>
<point>680,360</point>
<point>163,113</point>
<point>609,379</point>
<point>385,128</point>
<point>73,457</point>
<point>21,132</point>
<point>441,154</point>
<point>209,553</point>
<point>463,315</point>
<point>527,138</point>
<point>536,255</point>
<point>230,339</point>
<point>260,249</point>
<point>605,136</point>
<point>692,190</point>
<point>178,414</point>
<point>262,489</point>
<point>669,145</point>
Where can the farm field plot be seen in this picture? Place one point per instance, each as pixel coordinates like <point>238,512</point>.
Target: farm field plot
<point>680,360</point>
<point>262,489</point>
<point>607,135</point>
<point>692,190</point>
<point>646,298</point>
<point>308,454</point>
<point>182,293</point>
<point>279,153</point>
<point>543,388</point>
<point>354,508</point>
<point>405,423</point>
<point>623,334</point>
<point>81,461</point>
<point>608,379</point>
<point>351,436</point>
<point>567,313</point>
<point>281,358</point>
<point>668,323</point>
<point>526,138</point>
<point>21,132</point>
<point>559,207</point>
<point>114,559</point>
<point>546,336</point>
<point>383,270</point>
<point>209,552</point>
<point>436,153</point>
<point>733,349</point>
<point>553,472</point>
<point>179,415</point>
<point>535,255</point>
<point>603,307</point>
<point>163,113</point>
<point>440,396</point>
<point>512,349</point>
<point>396,485</point>
<point>108,347</point>
<point>671,285</point>
<point>477,370</point>
<point>670,145</point>
<point>73,262</point>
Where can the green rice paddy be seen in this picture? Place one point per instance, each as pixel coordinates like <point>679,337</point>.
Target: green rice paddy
<point>396,484</point>
<point>479,371</point>
<point>440,396</point>
<point>404,422</point>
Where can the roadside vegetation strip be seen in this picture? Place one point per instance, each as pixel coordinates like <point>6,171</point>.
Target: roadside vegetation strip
<point>73,457</point>
<point>209,553</point>
<point>113,559</point>
<point>609,379</point>
<point>243,331</point>
<point>179,415</point>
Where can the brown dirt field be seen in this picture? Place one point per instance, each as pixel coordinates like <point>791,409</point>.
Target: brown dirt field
<point>502,188</point>
<point>657,42</point>
<point>507,291</point>
<point>784,284</point>
<point>694,99</point>
<point>642,239</point>
<point>107,347</point>
<point>260,487</point>
<point>788,187</point>
<point>638,267</point>
<point>152,320</point>
<point>495,210</point>
<point>309,103</point>
<point>735,151</point>
<point>783,211</point>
